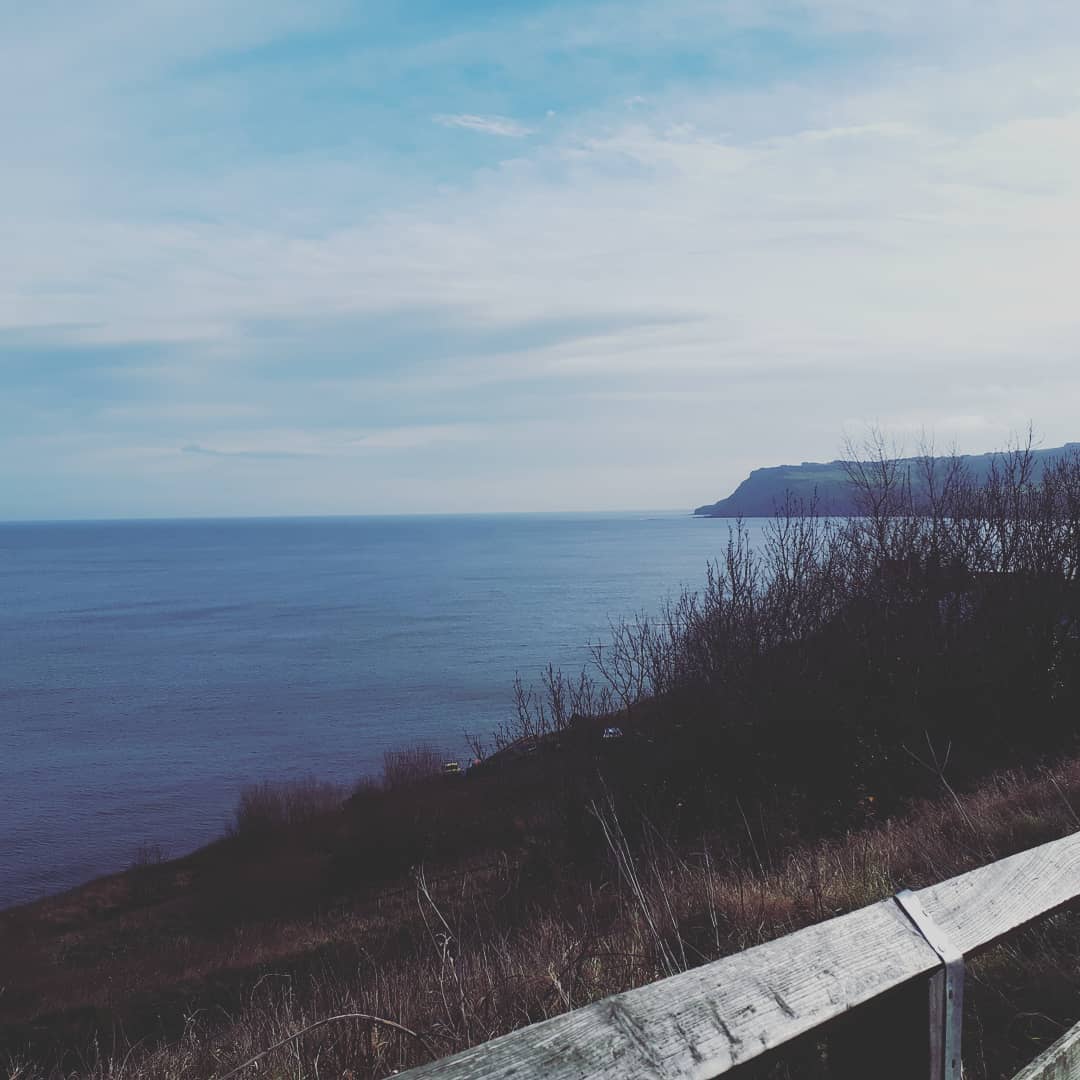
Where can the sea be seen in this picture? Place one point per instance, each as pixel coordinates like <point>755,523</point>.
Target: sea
<point>150,670</point>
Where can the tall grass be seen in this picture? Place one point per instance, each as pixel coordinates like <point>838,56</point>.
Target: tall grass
<point>468,961</point>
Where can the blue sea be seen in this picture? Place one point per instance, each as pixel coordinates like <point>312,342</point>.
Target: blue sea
<point>149,670</point>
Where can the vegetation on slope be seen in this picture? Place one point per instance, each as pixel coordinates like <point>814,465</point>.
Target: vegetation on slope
<point>460,957</point>
<point>783,730</point>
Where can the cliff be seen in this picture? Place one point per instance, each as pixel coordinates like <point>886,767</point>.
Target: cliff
<point>766,489</point>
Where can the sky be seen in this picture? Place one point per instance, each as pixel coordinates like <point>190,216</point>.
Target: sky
<point>264,257</point>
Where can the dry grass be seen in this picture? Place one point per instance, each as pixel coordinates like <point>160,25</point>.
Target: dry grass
<point>461,959</point>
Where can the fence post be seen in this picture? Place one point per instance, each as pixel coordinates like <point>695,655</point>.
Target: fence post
<point>946,991</point>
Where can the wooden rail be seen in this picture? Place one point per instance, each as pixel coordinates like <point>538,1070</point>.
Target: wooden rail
<point>1060,1062</point>
<point>703,1022</point>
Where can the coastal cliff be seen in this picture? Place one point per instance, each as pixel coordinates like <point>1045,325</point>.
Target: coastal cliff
<point>828,483</point>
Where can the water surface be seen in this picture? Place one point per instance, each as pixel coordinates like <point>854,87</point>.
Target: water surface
<point>148,670</point>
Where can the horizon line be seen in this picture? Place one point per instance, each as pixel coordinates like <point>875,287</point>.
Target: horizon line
<point>164,519</point>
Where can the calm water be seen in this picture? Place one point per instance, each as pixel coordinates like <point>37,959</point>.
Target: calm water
<point>148,670</point>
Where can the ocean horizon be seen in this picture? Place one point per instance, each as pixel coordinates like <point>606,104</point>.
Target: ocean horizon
<point>152,668</point>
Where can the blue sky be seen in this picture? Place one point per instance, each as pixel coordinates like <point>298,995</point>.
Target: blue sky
<point>286,257</point>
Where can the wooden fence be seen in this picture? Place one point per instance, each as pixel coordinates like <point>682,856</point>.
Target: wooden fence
<point>704,1022</point>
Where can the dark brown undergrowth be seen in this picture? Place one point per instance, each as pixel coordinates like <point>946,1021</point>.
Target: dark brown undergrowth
<point>457,958</point>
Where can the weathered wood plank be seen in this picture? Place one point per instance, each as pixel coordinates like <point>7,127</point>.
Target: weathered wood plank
<point>703,1022</point>
<point>1060,1062</point>
<point>978,908</point>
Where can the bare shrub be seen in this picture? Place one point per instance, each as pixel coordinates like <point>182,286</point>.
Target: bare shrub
<point>818,658</point>
<point>410,765</point>
<point>277,804</point>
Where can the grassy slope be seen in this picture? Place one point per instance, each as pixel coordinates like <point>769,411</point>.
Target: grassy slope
<point>460,954</point>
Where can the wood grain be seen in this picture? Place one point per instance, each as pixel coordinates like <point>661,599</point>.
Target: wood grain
<point>701,1023</point>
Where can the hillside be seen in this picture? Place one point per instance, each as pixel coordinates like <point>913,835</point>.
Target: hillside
<point>766,489</point>
<point>142,976</point>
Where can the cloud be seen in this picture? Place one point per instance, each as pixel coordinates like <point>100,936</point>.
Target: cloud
<point>252,455</point>
<point>298,445</point>
<point>489,125</point>
<point>408,438</point>
<point>877,221</point>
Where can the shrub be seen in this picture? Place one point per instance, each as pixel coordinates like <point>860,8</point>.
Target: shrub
<point>842,657</point>
<point>273,805</point>
<point>410,766</point>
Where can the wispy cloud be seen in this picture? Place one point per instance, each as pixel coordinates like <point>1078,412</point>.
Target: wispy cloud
<point>489,125</point>
<point>252,455</point>
<point>305,444</point>
<point>419,436</point>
